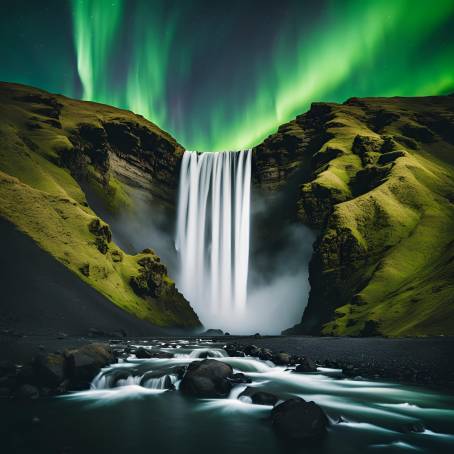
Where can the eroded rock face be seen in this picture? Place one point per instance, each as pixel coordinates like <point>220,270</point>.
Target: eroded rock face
<point>137,156</point>
<point>367,174</point>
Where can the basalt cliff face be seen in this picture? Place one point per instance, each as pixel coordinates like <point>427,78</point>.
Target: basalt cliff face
<point>375,178</point>
<point>53,152</point>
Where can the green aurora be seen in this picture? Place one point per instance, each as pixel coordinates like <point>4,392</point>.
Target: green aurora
<point>223,77</point>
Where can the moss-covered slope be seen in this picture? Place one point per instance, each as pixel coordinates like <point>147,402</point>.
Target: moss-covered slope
<point>50,148</point>
<point>378,185</point>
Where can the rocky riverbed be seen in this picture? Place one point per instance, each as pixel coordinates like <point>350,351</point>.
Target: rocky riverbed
<point>183,395</point>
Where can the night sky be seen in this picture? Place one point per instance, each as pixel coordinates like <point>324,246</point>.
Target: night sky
<point>222,75</point>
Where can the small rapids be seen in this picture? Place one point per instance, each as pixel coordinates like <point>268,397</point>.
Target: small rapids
<point>135,406</point>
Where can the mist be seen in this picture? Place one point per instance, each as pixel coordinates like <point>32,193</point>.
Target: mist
<point>278,286</point>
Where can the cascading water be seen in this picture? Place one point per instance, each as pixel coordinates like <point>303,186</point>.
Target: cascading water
<point>213,233</point>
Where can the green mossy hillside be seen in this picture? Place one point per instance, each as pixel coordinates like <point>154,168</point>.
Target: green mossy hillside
<point>379,187</point>
<point>43,169</point>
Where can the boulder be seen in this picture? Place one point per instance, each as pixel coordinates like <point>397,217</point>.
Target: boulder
<point>282,359</point>
<point>266,354</point>
<point>234,350</point>
<point>296,419</point>
<point>143,353</point>
<point>207,378</point>
<point>213,332</point>
<point>84,363</point>
<point>49,369</point>
<point>252,350</point>
<point>239,378</point>
<point>305,365</point>
<point>255,396</point>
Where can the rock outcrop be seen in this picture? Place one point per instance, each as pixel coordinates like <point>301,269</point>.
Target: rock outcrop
<point>375,179</point>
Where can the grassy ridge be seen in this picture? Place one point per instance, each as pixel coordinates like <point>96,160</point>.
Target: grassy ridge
<point>378,185</point>
<point>44,200</point>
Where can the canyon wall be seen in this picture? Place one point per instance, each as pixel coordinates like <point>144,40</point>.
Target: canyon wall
<point>375,179</point>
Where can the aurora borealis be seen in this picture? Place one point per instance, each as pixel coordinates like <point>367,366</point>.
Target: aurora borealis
<point>224,75</point>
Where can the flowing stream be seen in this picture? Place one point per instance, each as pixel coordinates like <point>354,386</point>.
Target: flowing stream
<point>213,233</point>
<point>135,407</point>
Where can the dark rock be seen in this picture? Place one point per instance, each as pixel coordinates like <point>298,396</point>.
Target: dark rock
<point>296,419</point>
<point>84,363</point>
<point>49,369</point>
<point>252,350</point>
<point>265,354</point>
<point>234,350</point>
<point>207,378</point>
<point>213,332</point>
<point>257,397</point>
<point>239,378</point>
<point>391,156</point>
<point>282,359</point>
<point>306,365</point>
<point>371,329</point>
<point>85,269</point>
<point>143,353</point>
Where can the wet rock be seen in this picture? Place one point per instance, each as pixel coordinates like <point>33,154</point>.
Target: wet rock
<point>207,378</point>
<point>296,419</point>
<point>143,353</point>
<point>234,350</point>
<point>282,359</point>
<point>306,365</point>
<point>239,378</point>
<point>84,363</point>
<point>255,396</point>
<point>252,350</point>
<point>266,354</point>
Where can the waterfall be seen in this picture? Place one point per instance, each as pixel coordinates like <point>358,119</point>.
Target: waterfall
<point>213,232</point>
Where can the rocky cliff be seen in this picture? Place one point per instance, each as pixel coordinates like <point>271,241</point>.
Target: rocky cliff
<point>52,151</point>
<point>376,181</point>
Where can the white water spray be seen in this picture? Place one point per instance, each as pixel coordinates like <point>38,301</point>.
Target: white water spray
<point>213,233</point>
